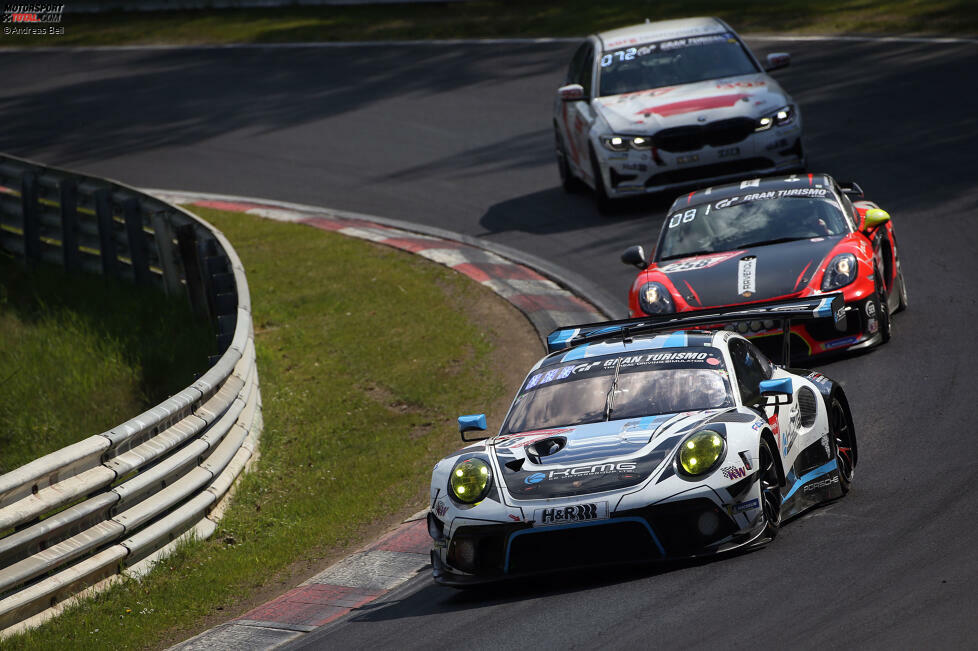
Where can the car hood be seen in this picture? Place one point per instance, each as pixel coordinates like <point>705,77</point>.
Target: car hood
<point>649,111</point>
<point>746,275</point>
<point>592,458</point>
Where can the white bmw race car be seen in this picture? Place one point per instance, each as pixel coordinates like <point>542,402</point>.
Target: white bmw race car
<point>671,104</point>
<point>628,443</point>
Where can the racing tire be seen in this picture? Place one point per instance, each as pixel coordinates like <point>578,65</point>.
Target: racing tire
<point>770,485</point>
<point>600,193</point>
<point>882,311</point>
<point>843,442</point>
<point>570,183</point>
<point>904,302</point>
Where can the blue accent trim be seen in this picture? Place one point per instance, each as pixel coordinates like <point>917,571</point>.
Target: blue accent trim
<point>675,340</point>
<point>578,525</point>
<point>824,469</point>
<point>824,308</point>
<point>554,339</point>
<point>575,353</point>
<point>776,387</point>
<point>474,421</point>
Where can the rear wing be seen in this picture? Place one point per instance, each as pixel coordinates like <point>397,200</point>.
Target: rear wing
<point>784,312</point>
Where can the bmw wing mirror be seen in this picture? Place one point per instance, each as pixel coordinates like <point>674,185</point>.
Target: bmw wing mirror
<point>571,92</point>
<point>777,60</point>
<point>472,423</point>
<point>635,256</point>
<point>874,217</point>
<point>780,390</point>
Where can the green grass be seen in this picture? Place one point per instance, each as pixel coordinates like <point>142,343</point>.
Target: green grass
<point>502,18</point>
<point>81,354</point>
<point>365,355</point>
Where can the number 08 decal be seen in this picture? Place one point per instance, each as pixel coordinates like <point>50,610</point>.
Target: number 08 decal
<point>682,218</point>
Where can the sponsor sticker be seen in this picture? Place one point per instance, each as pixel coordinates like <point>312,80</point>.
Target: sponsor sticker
<point>441,508</point>
<point>728,152</point>
<point>690,158</point>
<point>734,472</point>
<point>568,514</point>
<point>535,478</point>
<point>824,483</point>
<point>692,264</point>
<point>745,506</point>
<point>746,276</point>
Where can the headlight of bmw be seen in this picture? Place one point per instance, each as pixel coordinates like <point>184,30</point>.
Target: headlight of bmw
<point>701,452</point>
<point>655,299</point>
<point>624,143</point>
<point>782,117</point>
<point>840,272</point>
<point>470,480</point>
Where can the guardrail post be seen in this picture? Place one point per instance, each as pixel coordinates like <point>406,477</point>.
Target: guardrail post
<point>69,223</point>
<point>137,241</point>
<point>106,233</point>
<point>187,243</point>
<point>163,235</point>
<point>32,224</point>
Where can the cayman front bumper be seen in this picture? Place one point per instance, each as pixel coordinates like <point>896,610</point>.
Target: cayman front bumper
<point>762,153</point>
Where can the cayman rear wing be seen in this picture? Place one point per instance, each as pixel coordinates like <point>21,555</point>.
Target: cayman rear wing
<point>782,312</point>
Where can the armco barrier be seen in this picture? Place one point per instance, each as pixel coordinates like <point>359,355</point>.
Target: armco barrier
<point>115,502</point>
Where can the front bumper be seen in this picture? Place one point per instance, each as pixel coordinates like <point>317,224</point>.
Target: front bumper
<point>479,553</point>
<point>760,153</point>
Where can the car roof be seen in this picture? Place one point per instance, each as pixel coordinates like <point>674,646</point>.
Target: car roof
<point>660,31</point>
<point>752,186</point>
<point>613,345</point>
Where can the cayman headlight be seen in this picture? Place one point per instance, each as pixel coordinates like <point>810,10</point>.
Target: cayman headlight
<point>654,299</point>
<point>624,143</point>
<point>840,272</point>
<point>701,452</point>
<point>470,480</point>
<point>783,116</point>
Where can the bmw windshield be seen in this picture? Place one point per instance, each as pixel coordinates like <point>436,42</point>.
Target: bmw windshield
<point>646,383</point>
<point>753,219</point>
<point>673,62</point>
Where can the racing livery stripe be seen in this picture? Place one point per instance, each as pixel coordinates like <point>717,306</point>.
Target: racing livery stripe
<point>824,469</point>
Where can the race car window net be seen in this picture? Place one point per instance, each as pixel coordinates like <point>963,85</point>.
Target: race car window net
<point>673,62</point>
<point>649,382</point>
<point>738,223</point>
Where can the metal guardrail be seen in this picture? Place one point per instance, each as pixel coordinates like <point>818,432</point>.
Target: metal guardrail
<point>113,503</point>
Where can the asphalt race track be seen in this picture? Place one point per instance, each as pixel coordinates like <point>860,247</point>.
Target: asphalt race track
<point>460,137</point>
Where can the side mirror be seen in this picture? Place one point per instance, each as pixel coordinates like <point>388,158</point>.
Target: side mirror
<point>475,422</point>
<point>777,389</point>
<point>874,217</point>
<point>571,92</point>
<point>635,256</point>
<point>851,189</point>
<point>777,60</point>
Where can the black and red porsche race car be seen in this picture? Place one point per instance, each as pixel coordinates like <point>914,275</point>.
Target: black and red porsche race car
<point>772,239</point>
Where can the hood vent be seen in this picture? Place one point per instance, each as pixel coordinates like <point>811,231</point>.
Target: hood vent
<point>545,448</point>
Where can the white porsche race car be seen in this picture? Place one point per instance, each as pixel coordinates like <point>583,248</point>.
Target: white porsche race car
<point>627,444</point>
<point>671,104</point>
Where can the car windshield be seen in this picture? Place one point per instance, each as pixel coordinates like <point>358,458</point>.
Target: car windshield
<point>751,220</point>
<point>673,62</point>
<point>621,386</point>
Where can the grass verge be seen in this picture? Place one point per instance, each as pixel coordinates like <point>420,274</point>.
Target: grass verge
<point>366,354</point>
<point>78,351</point>
<point>500,18</point>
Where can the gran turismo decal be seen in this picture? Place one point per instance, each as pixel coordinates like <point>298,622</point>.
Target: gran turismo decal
<point>568,514</point>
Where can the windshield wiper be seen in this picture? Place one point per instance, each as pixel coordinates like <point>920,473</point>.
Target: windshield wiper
<point>609,401</point>
<point>780,240</point>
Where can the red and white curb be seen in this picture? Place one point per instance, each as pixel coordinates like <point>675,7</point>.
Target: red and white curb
<point>349,584</point>
<point>398,556</point>
<point>546,303</point>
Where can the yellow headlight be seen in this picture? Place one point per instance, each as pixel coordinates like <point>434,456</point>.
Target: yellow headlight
<point>700,452</point>
<point>469,480</point>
